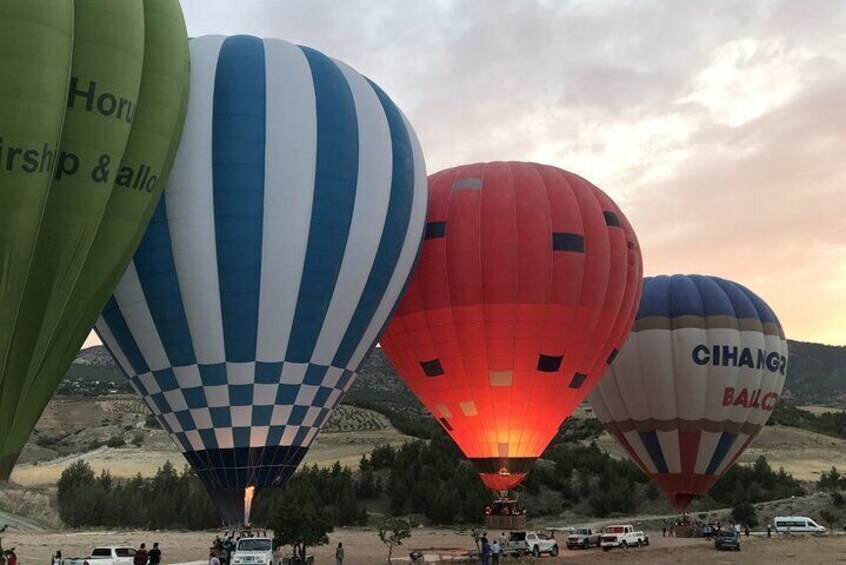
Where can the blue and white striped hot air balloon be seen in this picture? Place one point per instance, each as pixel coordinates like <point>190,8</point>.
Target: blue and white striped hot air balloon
<point>286,234</point>
<point>696,381</point>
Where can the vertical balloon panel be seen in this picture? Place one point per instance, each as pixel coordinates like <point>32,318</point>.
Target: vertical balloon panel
<point>286,235</point>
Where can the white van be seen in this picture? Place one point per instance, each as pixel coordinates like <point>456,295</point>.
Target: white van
<point>797,525</point>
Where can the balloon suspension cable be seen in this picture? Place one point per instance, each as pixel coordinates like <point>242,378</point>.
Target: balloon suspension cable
<point>249,493</point>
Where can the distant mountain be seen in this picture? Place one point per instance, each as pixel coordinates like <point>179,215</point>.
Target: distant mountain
<point>97,356</point>
<point>93,364</point>
<point>816,375</point>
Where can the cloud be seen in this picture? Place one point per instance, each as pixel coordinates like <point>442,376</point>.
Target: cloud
<point>718,126</point>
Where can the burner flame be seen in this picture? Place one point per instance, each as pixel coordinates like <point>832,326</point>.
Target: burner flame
<point>249,493</point>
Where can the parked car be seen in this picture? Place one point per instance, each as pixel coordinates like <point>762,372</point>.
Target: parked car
<point>253,551</point>
<point>623,536</point>
<point>797,525</point>
<point>537,544</point>
<point>726,539</point>
<point>583,538</point>
<point>107,555</point>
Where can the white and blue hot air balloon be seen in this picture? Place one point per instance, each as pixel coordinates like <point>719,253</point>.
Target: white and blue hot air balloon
<point>696,381</point>
<point>288,229</point>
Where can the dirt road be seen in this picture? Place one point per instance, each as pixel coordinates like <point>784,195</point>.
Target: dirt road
<point>364,548</point>
<point>18,523</point>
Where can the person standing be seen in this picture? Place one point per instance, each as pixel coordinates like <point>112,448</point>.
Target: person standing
<point>769,531</point>
<point>496,549</point>
<point>503,540</point>
<point>11,558</point>
<point>339,554</point>
<point>486,551</point>
<point>141,556</point>
<point>213,560</point>
<point>155,555</point>
<point>227,548</point>
<point>57,559</point>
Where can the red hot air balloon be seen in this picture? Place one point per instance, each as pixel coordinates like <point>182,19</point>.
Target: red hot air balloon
<point>528,283</point>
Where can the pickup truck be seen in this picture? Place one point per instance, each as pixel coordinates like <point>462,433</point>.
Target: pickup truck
<point>111,555</point>
<point>583,538</point>
<point>623,536</point>
<point>522,543</point>
<point>253,551</point>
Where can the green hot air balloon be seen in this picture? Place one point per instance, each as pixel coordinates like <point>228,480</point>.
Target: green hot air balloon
<point>92,102</point>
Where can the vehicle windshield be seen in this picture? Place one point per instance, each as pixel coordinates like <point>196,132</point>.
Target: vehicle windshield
<point>125,552</point>
<point>254,545</point>
<point>728,534</point>
<point>582,531</point>
<point>614,530</point>
<point>517,536</point>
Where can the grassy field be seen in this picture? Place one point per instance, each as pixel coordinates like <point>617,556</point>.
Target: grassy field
<point>70,427</point>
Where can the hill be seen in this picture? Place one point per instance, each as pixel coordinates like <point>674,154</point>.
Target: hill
<point>816,374</point>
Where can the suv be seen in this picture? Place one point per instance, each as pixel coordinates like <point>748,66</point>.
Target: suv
<point>726,539</point>
<point>623,536</point>
<point>521,543</point>
<point>253,551</point>
<point>583,538</point>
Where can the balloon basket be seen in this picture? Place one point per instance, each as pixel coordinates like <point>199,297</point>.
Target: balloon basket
<point>505,513</point>
<point>505,522</point>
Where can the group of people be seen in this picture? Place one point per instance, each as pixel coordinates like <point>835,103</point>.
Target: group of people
<point>511,509</point>
<point>693,527</point>
<point>493,551</point>
<point>7,557</point>
<point>141,557</point>
<point>144,557</point>
<point>222,549</point>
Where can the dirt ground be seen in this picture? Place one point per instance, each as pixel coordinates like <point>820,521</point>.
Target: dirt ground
<point>364,548</point>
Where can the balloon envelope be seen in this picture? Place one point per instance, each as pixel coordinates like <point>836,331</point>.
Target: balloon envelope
<point>283,241</point>
<point>528,281</point>
<point>92,96</point>
<point>697,379</point>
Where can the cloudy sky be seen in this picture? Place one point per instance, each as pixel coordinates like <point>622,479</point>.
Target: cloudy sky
<point>717,126</point>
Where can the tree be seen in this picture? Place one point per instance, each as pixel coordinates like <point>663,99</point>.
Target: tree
<point>301,526</point>
<point>832,480</point>
<point>392,532</point>
<point>744,513</point>
<point>829,517</point>
<point>80,498</point>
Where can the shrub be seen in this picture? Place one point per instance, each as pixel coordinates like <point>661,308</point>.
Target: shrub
<point>744,513</point>
<point>115,441</point>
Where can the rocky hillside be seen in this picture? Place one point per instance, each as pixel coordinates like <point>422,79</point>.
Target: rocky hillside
<point>816,375</point>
